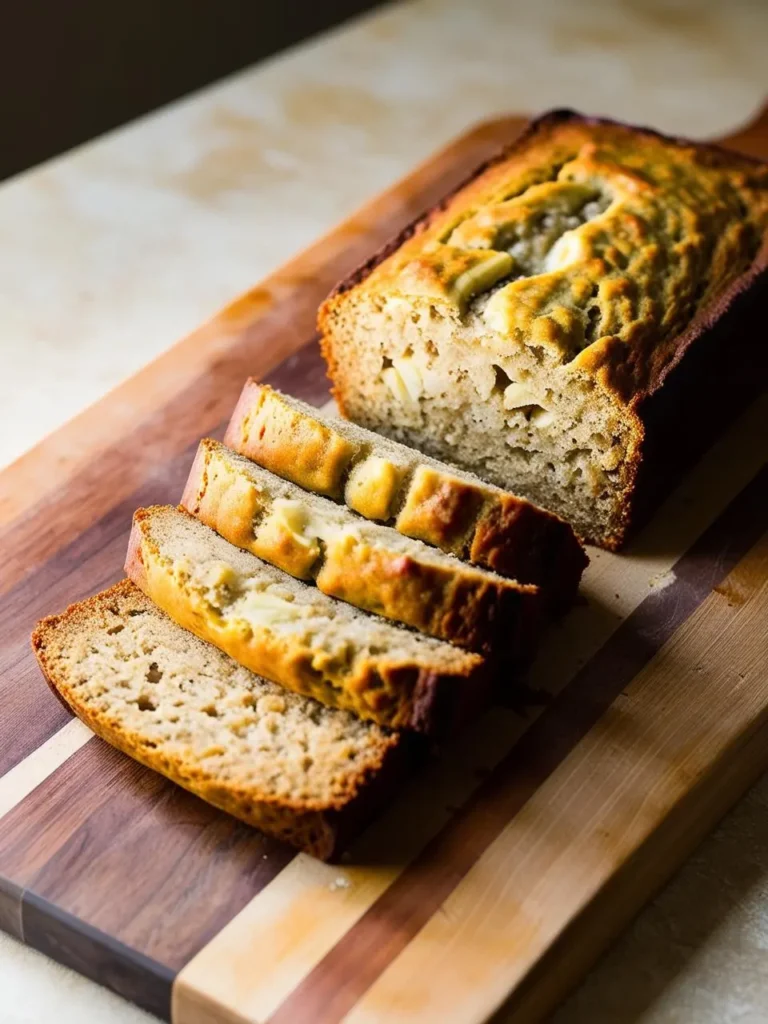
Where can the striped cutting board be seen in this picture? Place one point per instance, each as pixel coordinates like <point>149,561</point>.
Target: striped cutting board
<point>503,870</point>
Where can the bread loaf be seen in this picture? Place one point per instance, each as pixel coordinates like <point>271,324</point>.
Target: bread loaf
<point>564,323</point>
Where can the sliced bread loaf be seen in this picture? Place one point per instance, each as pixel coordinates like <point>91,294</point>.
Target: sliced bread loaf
<point>422,498</point>
<point>296,635</point>
<point>307,774</point>
<point>364,563</point>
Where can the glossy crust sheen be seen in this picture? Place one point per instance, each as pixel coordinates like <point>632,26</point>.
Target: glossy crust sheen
<point>659,377</point>
<point>356,561</point>
<point>318,830</point>
<point>393,690</point>
<point>423,499</point>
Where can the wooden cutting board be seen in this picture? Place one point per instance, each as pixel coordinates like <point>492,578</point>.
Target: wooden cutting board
<point>505,868</point>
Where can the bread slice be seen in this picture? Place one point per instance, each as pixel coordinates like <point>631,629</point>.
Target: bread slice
<point>572,322</point>
<point>422,498</point>
<point>296,635</point>
<point>307,774</point>
<point>366,564</point>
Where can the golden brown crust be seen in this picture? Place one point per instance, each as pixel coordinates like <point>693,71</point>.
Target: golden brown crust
<point>682,241</point>
<point>313,828</point>
<point>358,563</point>
<point>663,189</point>
<point>395,690</point>
<point>441,509</point>
<point>275,436</point>
<point>427,501</point>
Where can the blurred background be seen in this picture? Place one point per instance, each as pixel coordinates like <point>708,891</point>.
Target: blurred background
<point>79,68</point>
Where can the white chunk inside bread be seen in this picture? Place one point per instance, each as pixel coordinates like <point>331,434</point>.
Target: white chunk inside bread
<point>367,564</point>
<point>420,497</point>
<point>526,327</point>
<point>294,634</point>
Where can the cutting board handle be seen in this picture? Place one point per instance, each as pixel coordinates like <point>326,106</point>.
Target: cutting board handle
<point>752,138</point>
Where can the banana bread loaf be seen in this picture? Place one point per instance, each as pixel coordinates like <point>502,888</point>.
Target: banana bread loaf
<point>421,497</point>
<point>305,773</point>
<point>366,564</point>
<point>561,322</point>
<point>297,636</point>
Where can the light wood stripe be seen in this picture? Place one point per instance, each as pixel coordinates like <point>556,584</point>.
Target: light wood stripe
<point>600,805</point>
<point>27,775</point>
<point>368,948</point>
<point>290,926</point>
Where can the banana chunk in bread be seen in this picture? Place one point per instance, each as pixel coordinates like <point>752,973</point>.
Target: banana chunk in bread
<point>307,774</point>
<point>562,322</point>
<point>366,564</point>
<point>420,497</point>
<point>297,636</point>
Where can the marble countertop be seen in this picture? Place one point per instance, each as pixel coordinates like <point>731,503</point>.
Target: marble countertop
<point>113,251</point>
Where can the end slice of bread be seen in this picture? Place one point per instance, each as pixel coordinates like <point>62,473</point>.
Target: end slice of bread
<point>296,635</point>
<point>307,774</point>
<point>364,563</point>
<point>422,498</point>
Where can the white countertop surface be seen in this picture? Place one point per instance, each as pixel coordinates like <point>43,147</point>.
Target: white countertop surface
<point>115,250</point>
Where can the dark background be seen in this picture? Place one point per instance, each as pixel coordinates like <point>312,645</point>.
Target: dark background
<point>72,69</point>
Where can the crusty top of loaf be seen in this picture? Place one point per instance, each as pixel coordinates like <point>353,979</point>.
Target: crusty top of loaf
<point>598,242</point>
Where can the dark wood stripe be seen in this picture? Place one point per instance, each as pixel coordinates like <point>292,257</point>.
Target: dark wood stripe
<point>31,715</point>
<point>99,957</point>
<point>45,823</point>
<point>10,908</point>
<point>303,375</point>
<point>184,869</point>
<point>348,971</point>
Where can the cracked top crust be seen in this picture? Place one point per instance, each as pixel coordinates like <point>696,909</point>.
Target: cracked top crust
<point>598,243</point>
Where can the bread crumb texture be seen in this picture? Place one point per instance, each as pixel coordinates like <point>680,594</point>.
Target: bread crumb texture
<point>518,328</point>
<point>274,758</point>
<point>294,634</point>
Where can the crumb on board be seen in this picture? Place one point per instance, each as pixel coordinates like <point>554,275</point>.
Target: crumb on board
<point>662,579</point>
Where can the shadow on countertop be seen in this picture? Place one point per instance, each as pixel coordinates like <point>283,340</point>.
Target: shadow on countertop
<point>73,70</point>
